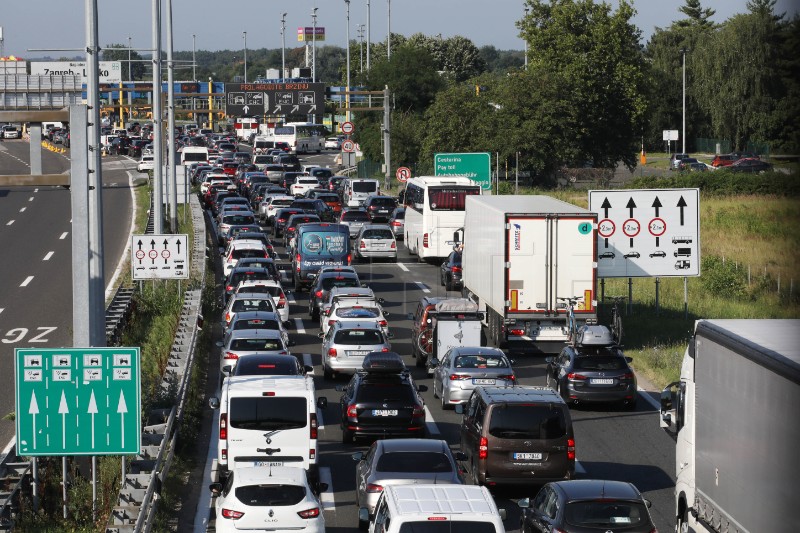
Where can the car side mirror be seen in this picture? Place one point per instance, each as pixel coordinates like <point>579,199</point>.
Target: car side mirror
<point>213,402</point>
<point>321,335</point>
<point>390,335</point>
<point>629,359</point>
<point>322,402</point>
<point>524,503</point>
<point>363,515</point>
<point>460,456</point>
<point>215,488</point>
<point>503,514</point>
<point>322,487</point>
<point>226,370</point>
<point>410,316</point>
<point>308,369</point>
<point>459,409</point>
<point>512,361</point>
<point>647,502</point>
<point>358,456</point>
<point>364,284</point>
<point>433,362</point>
<point>339,388</point>
<point>385,314</point>
<point>550,360</point>
<point>218,344</point>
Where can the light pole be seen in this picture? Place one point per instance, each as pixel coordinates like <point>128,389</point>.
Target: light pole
<point>368,35</point>
<point>527,10</point>
<point>347,95</point>
<point>389,27</point>
<point>130,75</point>
<point>683,133</point>
<point>244,34</point>
<point>361,46</point>
<point>194,59</point>
<point>314,45</point>
<point>283,46</point>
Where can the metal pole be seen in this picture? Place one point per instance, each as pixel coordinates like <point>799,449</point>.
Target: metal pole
<point>64,483</point>
<point>361,47</point>
<point>79,204</point>
<point>658,292</point>
<point>244,34</point>
<point>497,173</point>
<point>685,298</point>
<point>516,175</point>
<point>389,29</point>
<point>158,126</point>
<point>347,95</point>
<point>368,34</point>
<point>683,52</point>
<point>130,76</point>
<point>283,46</point>
<point>97,286</point>
<point>35,488</point>
<point>630,295</point>
<point>172,182</point>
<point>314,45</point>
<point>387,145</point>
<point>210,103</point>
<point>527,10</point>
<point>122,477</point>
<point>94,487</point>
<point>194,79</point>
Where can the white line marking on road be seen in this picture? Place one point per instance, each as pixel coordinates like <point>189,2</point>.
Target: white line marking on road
<point>326,498</point>
<point>27,280</point>
<point>22,209</point>
<point>10,222</point>
<point>430,423</point>
<point>422,286</point>
<point>649,399</point>
<point>298,323</point>
<point>402,267</point>
<point>126,253</point>
<point>320,422</point>
<point>63,235</point>
<point>35,190</point>
<point>31,198</point>
<point>1,309</point>
<point>48,256</point>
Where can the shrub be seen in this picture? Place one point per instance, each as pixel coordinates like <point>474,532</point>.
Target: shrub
<point>722,278</point>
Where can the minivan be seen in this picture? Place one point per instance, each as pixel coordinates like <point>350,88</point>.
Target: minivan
<point>318,245</point>
<point>268,421</point>
<point>356,191</point>
<point>517,435</point>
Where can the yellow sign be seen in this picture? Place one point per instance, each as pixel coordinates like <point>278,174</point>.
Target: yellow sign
<point>310,33</point>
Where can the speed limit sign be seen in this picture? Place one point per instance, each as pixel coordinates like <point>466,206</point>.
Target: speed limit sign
<point>349,146</point>
<point>403,173</point>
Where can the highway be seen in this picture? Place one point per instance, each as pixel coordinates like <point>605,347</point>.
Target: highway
<point>36,257</point>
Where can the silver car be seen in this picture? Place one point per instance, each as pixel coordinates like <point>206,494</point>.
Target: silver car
<point>403,462</point>
<point>254,320</point>
<point>346,344</point>
<point>354,219</point>
<point>398,222</point>
<point>466,367</point>
<point>375,241</point>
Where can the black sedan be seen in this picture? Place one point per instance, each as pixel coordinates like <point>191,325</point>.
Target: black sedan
<point>450,271</point>
<point>587,506</point>
<point>750,165</point>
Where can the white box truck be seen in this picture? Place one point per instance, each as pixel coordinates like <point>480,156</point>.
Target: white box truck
<point>520,254</point>
<point>734,416</point>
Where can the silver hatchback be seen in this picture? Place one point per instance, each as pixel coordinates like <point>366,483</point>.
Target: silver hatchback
<point>346,344</point>
<point>466,367</point>
<point>375,241</point>
<point>354,219</point>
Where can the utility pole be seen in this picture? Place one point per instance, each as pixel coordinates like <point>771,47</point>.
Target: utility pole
<point>387,144</point>
<point>347,94</point>
<point>389,29</point>
<point>314,45</point>
<point>368,34</point>
<point>683,133</point>
<point>283,46</point>
<point>158,124</point>
<point>172,182</point>
<point>244,34</point>
<point>194,79</point>
<point>130,77</point>
<point>527,10</point>
<point>361,47</point>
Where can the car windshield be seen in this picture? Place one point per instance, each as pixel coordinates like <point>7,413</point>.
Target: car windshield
<point>355,337</point>
<point>267,413</point>
<point>254,365</point>
<point>270,495</point>
<point>432,462</point>
<point>256,345</point>
<point>603,513</point>
<point>481,361</point>
<point>527,422</point>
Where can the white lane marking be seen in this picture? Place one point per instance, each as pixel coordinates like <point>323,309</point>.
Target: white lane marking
<point>48,256</point>
<point>8,447</point>
<point>649,399</point>
<point>126,253</point>
<point>403,267</point>
<point>298,323</point>
<point>579,469</point>
<point>422,286</point>
<point>27,280</point>
<point>10,222</point>
<point>1,309</point>
<point>35,190</point>
<point>326,498</point>
<point>430,423</point>
<point>63,235</point>
<point>31,198</point>
<point>22,209</point>
<point>320,422</point>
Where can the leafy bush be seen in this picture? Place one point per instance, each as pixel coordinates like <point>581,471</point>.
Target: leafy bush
<point>723,279</point>
<point>724,182</point>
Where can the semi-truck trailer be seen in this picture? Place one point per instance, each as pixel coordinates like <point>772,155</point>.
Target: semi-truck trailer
<point>734,416</point>
<point>521,254</point>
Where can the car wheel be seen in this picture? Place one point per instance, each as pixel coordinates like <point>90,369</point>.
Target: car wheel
<point>362,525</point>
<point>327,373</point>
<point>347,436</point>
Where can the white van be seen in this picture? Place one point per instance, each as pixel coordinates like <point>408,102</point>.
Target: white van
<point>194,154</point>
<point>356,191</point>
<point>435,509</point>
<point>267,421</point>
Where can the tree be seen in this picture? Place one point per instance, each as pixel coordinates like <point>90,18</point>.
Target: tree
<point>411,75</point>
<point>698,16</point>
<point>112,52</point>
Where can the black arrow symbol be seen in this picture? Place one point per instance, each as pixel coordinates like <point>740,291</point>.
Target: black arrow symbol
<point>606,205</point>
<point>153,244</point>
<point>657,242</point>
<point>681,204</point>
<point>165,243</point>
<point>606,242</point>
<point>657,204</point>
<point>140,244</point>
<point>631,205</point>
<point>179,247</point>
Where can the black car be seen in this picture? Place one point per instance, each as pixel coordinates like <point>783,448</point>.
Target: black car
<point>597,373</point>
<point>290,230</point>
<point>750,165</point>
<point>323,284</point>
<point>380,208</point>
<point>335,184</point>
<point>315,206</point>
<point>382,400</point>
<point>450,271</point>
<point>119,145</point>
<point>136,147</point>
<point>586,506</point>
<point>259,364</point>
<point>281,216</point>
<point>261,262</point>
<point>289,162</point>
<point>239,274</point>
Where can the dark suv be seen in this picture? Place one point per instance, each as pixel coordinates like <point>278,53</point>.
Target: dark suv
<point>323,285</point>
<point>380,208</point>
<point>382,400</point>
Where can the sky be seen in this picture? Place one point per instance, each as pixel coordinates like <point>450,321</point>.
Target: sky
<point>58,25</point>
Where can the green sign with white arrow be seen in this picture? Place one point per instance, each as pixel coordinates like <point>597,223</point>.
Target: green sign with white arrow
<point>78,401</point>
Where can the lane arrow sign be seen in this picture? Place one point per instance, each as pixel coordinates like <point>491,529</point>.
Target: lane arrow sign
<point>681,205</point>
<point>631,205</point>
<point>657,204</point>
<point>166,242</point>
<point>179,246</point>
<point>33,410</point>
<point>606,205</point>
<point>294,109</point>
<point>312,109</point>
<point>276,110</point>
<point>63,410</point>
<point>92,411</point>
<point>140,244</point>
<point>246,109</point>
<point>122,408</point>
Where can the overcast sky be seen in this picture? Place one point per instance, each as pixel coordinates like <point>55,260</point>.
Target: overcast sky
<point>218,25</point>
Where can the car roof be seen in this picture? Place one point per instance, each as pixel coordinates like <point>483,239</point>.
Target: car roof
<point>582,489</point>
<point>476,350</point>
<point>245,315</point>
<point>250,282</point>
<point>520,394</point>
<point>256,333</point>
<point>246,244</point>
<point>413,445</point>
<point>355,292</point>
<point>376,226</point>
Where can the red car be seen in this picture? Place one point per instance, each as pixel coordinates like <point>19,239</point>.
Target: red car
<point>724,160</point>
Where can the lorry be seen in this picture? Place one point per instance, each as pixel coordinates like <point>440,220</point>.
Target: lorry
<point>451,323</point>
<point>520,255</point>
<point>734,417</point>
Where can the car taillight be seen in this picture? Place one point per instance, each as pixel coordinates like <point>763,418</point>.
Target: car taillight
<point>393,246</point>
<point>352,411</point>
<point>384,349</point>
<point>575,376</point>
<point>383,323</point>
<point>372,208</point>
<point>228,318</point>
<point>313,425</point>
<point>362,245</point>
<point>318,294</point>
<point>373,488</point>
<point>508,377</point>
<point>229,288</point>
<point>349,259</point>
<point>290,229</point>
<point>518,332</point>
<point>458,377</point>
<point>419,412</point>
<point>571,449</point>
<point>425,240</point>
<point>395,223</point>
<point>231,355</point>
<point>281,302</point>
<point>233,515</point>
<point>309,513</point>
<point>223,427</point>
<point>456,269</point>
<point>629,375</point>
<point>483,448</point>
<point>331,352</point>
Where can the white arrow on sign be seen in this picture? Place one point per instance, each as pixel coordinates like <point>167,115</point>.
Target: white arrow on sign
<point>34,410</point>
<point>246,109</point>
<point>63,410</point>
<point>122,408</point>
<point>294,109</point>
<point>92,411</point>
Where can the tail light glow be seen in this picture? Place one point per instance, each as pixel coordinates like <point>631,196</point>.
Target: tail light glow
<point>309,513</point>
<point>223,426</point>
<point>425,240</point>
<point>571,449</point>
<point>231,355</point>
<point>332,353</point>
<point>458,377</point>
<point>352,411</point>
<point>419,412</point>
<point>313,426</point>
<point>576,377</point>
<point>233,515</point>
<point>372,488</point>
<point>483,448</point>
<point>508,377</point>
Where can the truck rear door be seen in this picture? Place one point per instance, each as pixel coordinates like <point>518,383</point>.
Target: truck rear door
<point>574,271</point>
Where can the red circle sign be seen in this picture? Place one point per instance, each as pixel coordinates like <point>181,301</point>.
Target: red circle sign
<point>657,227</point>
<point>348,128</point>
<point>606,228</point>
<point>349,146</point>
<point>403,173</point>
<point>631,227</point>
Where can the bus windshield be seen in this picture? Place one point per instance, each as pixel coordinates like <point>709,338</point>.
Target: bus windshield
<point>449,198</point>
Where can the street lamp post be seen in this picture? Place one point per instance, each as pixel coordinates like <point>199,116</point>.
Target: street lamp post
<point>314,45</point>
<point>347,94</point>
<point>389,27</point>
<point>194,59</point>
<point>244,34</point>
<point>130,75</point>
<point>361,47</point>
<point>527,10</point>
<point>683,133</point>
<point>283,46</point>
<point>368,35</point>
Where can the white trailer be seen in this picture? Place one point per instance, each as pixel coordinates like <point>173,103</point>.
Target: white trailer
<point>520,254</point>
<point>734,416</point>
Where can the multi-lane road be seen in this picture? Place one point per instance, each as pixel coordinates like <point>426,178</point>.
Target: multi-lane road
<point>36,312</point>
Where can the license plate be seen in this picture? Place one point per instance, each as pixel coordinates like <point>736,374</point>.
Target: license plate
<point>384,412</point>
<point>482,381</point>
<point>528,456</point>
<point>268,463</point>
<point>601,381</point>
<point>357,353</point>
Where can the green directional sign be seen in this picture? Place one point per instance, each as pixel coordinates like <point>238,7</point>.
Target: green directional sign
<point>78,401</point>
<point>476,166</point>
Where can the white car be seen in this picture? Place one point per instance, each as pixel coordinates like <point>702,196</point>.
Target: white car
<point>333,143</point>
<point>215,178</point>
<point>267,498</point>
<point>246,301</point>
<point>146,163</point>
<point>363,300</point>
<point>268,207</point>
<point>246,341</point>
<point>302,184</point>
<point>11,132</point>
<point>239,249</point>
<point>273,288</point>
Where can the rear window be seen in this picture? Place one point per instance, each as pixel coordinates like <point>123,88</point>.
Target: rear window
<point>364,186</point>
<point>328,198</point>
<point>239,253</point>
<point>481,361</point>
<point>339,281</point>
<point>256,345</point>
<point>606,514</point>
<point>282,201</point>
<point>378,234</point>
<point>263,289</point>
<point>250,304</point>
<point>256,323</point>
<point>238,219</point>
<point>272,495</point>
<point>324,242</point>
<point>400,215</point>
<point>414,462</point>
<point>267,413</point>
<point>238,277</point>
<point>357,312</point>
<point>256,365</point>
<point>354,337</point>
<point>509,421</point>
<point>599,363</point>
<point>356,216</point>
<point>445,199</point>
<point>383,202</point>
<point>447,526</point>
<point>386,390</point>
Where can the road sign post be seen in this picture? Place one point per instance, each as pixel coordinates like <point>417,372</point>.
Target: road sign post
<point>78,401</point>
<point>159,256</point>
<point>476,166</point>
